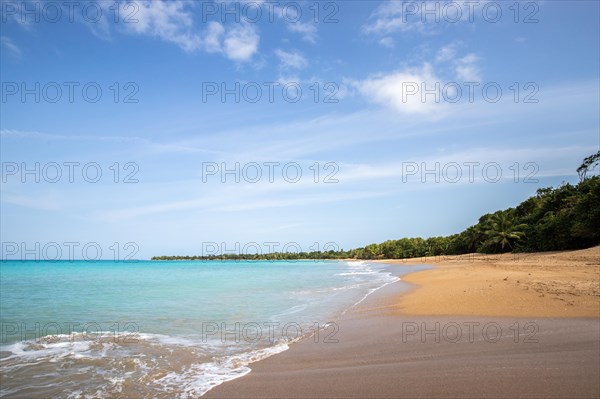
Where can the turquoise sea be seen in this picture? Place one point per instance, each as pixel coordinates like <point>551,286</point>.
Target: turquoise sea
<point>162,329</point>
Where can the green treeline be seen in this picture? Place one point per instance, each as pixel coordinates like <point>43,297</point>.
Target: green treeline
<point>270,256</point>
<point>566,217</point>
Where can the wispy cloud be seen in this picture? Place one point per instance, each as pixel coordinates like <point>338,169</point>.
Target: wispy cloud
<point>140,142</point>
<point>298,201</point>
<point>13,133</point>
<point>244,197</point>
<point>173,22</point>
<point>387,42</point>
<point>447,53</point>
<point>170,21</point>
<point>478,157</point>
<point>238,43</point>
<point>466,68</point>
<point>376,179</point>
<point>307,30</point>
<point>423,18</point>
<point>13,50</point>
<point>389,17</point>
<point>213,37</point>
<point>291,59</point>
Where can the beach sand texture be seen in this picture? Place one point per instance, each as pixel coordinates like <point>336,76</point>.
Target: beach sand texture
<point>521,335</point>
<point>553,284</point>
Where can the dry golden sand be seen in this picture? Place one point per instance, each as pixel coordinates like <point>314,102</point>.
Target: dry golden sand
<point>550,284</point>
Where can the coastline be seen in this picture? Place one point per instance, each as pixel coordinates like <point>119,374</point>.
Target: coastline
<point>394,345</point>
<point>552,284</point>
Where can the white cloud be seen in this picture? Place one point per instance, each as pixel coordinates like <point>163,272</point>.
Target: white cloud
<point>307,30</point>
<point>238,43</point>
<point>387,42</point>
<point>389,18</point>
<point>423,17</point>
<point>402,90</point>
<point>12,48</point>
<point>170,21</point>
<point>422,90</point>
<point>292,19</point>
<point>173,22</point>
<point>213,37</point>
<point>446,53</point>
<point>241,43</point>
<point>291,59</point>
<point>288,80</point>
<point>466,68</point>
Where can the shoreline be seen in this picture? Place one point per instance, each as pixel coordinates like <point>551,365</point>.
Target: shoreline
<point>554,284</point>
<point>388,347</point>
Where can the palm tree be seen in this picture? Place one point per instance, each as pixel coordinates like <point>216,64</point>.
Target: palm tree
<point>474,235</point>
<point>589,163</point>
<point>501,230</point>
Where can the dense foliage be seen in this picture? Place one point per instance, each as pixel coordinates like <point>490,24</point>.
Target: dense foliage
<point>566,217</point>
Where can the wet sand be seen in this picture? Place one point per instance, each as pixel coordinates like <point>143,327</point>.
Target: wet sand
<point>382,352</point>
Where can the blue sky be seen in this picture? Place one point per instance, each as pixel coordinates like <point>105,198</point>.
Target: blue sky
<point>374,60</point>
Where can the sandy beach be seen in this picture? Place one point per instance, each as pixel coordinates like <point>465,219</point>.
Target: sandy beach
<point>474,326</point>
<point>553,284</point>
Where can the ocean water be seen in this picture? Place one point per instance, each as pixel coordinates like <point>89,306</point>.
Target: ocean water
<point>162,329</point>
